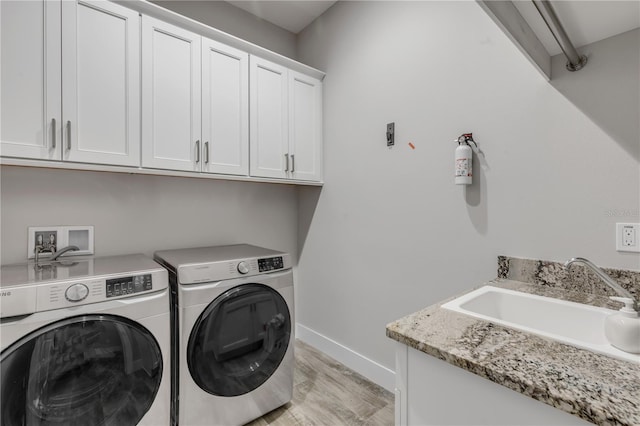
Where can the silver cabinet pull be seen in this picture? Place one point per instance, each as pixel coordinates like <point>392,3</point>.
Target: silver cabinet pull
<point>293,163</point>
<point>198,151</point>
<point>68,135</point>
<point>206,152</point>
<point>286,168</point>
<point>53,127</point>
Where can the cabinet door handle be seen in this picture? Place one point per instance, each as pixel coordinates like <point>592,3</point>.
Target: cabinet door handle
<point>53,129</point>
<point>293,163</point>
<point>68,135</point>
<point>198,151</point>
<point>286,168</point>
<point>206,152</point>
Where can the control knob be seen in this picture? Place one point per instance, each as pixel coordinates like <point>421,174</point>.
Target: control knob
<point>76,292</point>
<point>243,268</point>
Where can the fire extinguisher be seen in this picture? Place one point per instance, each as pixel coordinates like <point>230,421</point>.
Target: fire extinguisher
<point>464,159</point>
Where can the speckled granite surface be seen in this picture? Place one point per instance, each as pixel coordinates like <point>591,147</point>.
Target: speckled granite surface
<point>595,387</point>
<point>578,278</point>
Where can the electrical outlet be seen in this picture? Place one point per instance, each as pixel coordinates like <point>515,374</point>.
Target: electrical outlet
<point>627,237</point>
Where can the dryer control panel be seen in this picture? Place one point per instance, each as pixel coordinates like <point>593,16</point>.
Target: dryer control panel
<point>270,264</point>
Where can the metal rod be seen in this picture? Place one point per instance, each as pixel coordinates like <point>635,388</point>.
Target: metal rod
<point>576,61</point>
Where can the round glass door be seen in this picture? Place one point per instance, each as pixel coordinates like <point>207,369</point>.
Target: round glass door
<point>239,340</point>
<point>80,371</point>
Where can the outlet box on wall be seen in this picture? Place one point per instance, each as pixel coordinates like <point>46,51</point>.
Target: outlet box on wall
<point>627,235</point>
<point>52,238</point>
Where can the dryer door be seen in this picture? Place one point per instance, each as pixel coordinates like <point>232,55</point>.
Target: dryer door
<point>84,370</point>
<point>239,340</point>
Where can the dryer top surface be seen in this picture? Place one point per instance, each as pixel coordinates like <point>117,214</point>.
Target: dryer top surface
<point>209,255</point>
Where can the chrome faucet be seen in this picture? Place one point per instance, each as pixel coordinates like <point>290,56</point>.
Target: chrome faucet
<point>62,251</point>
<point>603,276</point>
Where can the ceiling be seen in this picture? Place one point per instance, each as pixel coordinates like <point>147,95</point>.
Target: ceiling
<point>585,21</point>
<point>293,16</point>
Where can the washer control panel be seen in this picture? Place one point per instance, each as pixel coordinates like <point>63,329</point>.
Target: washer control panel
<point>270,264</point>
<point>122,286</point>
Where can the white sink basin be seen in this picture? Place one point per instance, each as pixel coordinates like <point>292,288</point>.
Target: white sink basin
<point>567,322</point>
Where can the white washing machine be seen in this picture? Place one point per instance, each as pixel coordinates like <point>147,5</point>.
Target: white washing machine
<point>233,333</point>
<point>85,342</point>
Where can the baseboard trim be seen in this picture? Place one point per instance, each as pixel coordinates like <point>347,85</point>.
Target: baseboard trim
<point>370,369</point>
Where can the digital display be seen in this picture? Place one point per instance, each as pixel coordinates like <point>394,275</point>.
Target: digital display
<point>128,285</point>
<point>270,264</point>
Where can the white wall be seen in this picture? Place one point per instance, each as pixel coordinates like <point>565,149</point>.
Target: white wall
<point>141,214</point>
<point>235,21</point>
<point>390,233</point>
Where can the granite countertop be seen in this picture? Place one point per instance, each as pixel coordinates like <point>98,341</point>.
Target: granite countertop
<point>597,388</point>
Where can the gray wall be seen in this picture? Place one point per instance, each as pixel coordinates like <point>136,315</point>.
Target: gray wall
<point>141,214</point>
<point>390,233</point>
<point>607,90</point>
<point>237,22</point>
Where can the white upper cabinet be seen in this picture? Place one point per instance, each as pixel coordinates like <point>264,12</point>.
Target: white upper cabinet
<point>225,109</point>
<point>286,123</point>
<point>170,97</point>
<point>97,83</point>
<point>30,91</point>
<point>70,81</point>
<point>305,127</point>
<point>101,83</point>
<point>269,130</point>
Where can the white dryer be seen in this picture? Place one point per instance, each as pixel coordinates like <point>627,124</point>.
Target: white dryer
<point>85,342</point>
<point>232,333</point>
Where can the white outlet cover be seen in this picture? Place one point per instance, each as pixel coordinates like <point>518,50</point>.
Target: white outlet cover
<point>623,229</point>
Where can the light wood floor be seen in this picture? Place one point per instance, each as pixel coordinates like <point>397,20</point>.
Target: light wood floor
<point>326,392</point>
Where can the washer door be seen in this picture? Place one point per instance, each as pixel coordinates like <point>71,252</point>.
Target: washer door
<point>239,340</point>
<point>84,370</point>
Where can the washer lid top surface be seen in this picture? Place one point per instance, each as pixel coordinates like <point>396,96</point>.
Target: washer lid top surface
<point>67,269</point>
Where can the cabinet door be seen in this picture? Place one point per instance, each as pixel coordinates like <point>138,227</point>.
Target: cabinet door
<point>305,118</point>
<point>101,83</point>
<point>170,97</point>
<point>30,79</point>
<point>269,139</point>
<point>225,109</point>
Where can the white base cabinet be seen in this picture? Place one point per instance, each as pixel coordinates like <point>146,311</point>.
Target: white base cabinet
<point>430,391</point>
